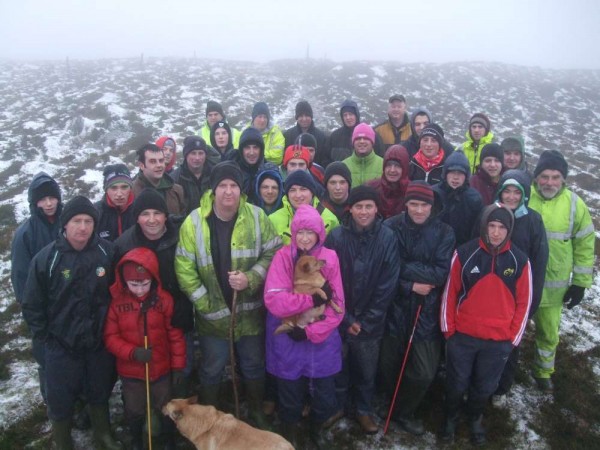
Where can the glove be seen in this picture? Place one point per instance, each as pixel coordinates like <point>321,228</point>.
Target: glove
<point>573,296</point>
<point>298,334</point>
<point>327,289</point>
<point>142,354</point>
<point>318,301</point>
<point>176,377</point>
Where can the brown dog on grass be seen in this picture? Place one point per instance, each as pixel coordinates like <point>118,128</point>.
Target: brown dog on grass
<point>210,429</point>
<point>307,280</point>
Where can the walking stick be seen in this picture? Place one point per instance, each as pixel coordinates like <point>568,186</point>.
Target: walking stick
<point>149,411</point>
<point>389,416</point>
<point>232,353</point>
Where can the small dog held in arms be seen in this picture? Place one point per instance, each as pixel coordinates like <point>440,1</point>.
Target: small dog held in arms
<point>308,280</point>
<point>210,429</point>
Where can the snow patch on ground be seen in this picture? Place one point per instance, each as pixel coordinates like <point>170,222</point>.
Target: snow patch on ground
<point>20,394</point>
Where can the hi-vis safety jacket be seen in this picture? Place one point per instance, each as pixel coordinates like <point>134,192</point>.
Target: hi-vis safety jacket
<point>253,245</point>
<point>571,238</point>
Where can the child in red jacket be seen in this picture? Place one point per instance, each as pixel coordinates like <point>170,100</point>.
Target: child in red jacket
<point>140,309</point>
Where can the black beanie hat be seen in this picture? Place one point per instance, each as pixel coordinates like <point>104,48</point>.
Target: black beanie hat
<point>212,106</point>
<point>78,205</point>
<point>116,173</point>
<point>226,170</point>
<point>433,130</point>
<point>338,168</point>
<point>303,107</point>
<point>261,108</point>
<point>499,213</point>
<point>149,198</point>
<point>306,140</point>
<point>47,189</point>
<point>553,160</point>
<point>494,150</point>
<point>362,192</point>
<point>299,178</point>
<point>193,143</point>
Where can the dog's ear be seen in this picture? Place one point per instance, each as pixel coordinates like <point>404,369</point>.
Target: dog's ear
<point>192,400</point>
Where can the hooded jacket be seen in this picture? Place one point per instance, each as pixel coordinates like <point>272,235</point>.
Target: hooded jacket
<point>275,175</point>
<point>412,143</point>
<point>130,318</point>
<point>112,221</point>
<point>32,235</point>
<point>488,293</point>
<point>483,184</point>
<point>160,142</point>
<point>391,195</point>
<point>274,143</point>
<point>473,151</point>
<point>364,168</point>
<point>230,144</point>
<point>320,355</point>
<point>370,265</point>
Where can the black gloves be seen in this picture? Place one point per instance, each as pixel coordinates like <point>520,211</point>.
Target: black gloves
<point>573,296</point>
<point>327,289</point>
<point>142,354</point>
<point>317,300</point>
<point>176,377</point>
<point>298,334</point>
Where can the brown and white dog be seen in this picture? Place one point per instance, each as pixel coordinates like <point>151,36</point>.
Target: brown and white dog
<point>210,429</point>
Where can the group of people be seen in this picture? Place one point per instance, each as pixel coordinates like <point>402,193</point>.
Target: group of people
<point>422,244</point>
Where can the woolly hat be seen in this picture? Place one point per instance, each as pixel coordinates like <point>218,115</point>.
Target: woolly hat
<point>338,168</point>
<point>553,160</point>
<point>306,140</point>
<point>213,130</point>
<point>149,199</point>
<point>419,190</point>
<point>397,98</point>
<point>133,271</point>
<point>362,192</point>
<point>116,173</point>
<point>78,205</point>
<point>494,150</point>
<point>261,108</point>
<point>482,120</point>
<point>193,143</point>
<point>433,130</point>
<point>497,212</point>
<point>300,178</point>
<point>303,108</point>
<point>212,106</point>
<point>47,189</point>
<point>296,152</point>
<point>365,131</point>
<point>226,170</point>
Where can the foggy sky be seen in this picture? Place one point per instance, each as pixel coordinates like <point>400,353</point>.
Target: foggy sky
<point>552,33</point>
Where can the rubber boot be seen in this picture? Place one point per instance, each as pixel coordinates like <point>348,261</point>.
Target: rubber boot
<point>101,428</point>
<point>449,429</point>
<point>255,393</point>
<point>61,434</point>
<point>317,436</point>
<point>136,431</point>
<point>210,394</point>
<point>291,432</point>
<point>477,431</point>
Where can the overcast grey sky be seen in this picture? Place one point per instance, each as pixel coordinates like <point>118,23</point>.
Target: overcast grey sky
<point>547,33</point>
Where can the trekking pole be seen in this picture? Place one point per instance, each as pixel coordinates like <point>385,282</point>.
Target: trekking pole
<point>149,411</point>
<point>232,353</point>
<point>389,416</point>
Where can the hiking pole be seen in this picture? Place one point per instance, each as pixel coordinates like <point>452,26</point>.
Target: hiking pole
<point>232,353</point>
<point>389,416</point>
<point>149,412</point>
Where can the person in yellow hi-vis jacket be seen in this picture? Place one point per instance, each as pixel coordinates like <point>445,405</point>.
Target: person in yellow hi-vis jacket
<point>571,238</point>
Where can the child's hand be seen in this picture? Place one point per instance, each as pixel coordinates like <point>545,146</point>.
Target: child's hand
<point>142,354</point>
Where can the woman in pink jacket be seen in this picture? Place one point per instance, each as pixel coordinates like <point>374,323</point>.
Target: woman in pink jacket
<point>305,358</point>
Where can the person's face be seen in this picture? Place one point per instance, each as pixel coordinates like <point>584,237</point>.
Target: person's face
<point>512,159</point>
<point>511,196</point>
<point>195,160</point>
<point>549,183</point>
<point>492,166</point>
<point>392,171</point>
<point>296,164</point>
<point>260,122</point>
<point>496,233</point>
<point>227,194</point>
<point>299,195</point>
<point>269,190</point>
<point>363,213</point>
<point>139,288</point>
<point>477,131</point>
<point>311,152</point>
<point>421,121</point>
<point>362,146</point>
<point>455,178</point>
<point>153,166</point>
<point>396,110</point>
<point>304,120</point>
<point>168,151</point>
<point>213,117</point>
<point>349,119</point>
<point>78,230</point>
<point>306,239</point>
<point>418,211</point>
<point>338,188</point>
<point>251,154</point>
<point>221,137</point>
<point>118,194</point>
<point>48,205</point>
<point>153,223</point>
<point>430,147</point>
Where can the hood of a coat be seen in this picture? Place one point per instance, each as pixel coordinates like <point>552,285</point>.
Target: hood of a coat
<point>139,255</point>
<point>307,218</point>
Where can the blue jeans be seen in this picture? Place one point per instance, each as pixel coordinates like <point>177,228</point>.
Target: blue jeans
<point>292,395</point>
<point>250,352</point>
<point>356,382</point>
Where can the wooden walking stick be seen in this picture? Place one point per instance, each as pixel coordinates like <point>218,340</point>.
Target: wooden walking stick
<point>148,408</point>
<point>236,398</point>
